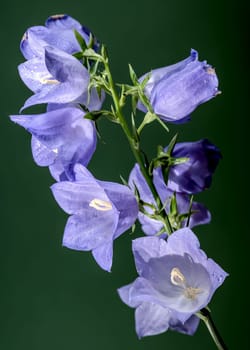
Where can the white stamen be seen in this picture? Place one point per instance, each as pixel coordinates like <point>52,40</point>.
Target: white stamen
<point>177,278</point>
<point>49,81</point>
<point>101,205</point>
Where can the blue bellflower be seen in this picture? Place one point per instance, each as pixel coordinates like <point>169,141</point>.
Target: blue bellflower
<point>175,91</point>
<point>57,77</point>
<point>176,280</point>
<point>100,212</point>
<point>150,226</point>
<point>60,139</point>
<point>194,175</point>
<point>57,32</point>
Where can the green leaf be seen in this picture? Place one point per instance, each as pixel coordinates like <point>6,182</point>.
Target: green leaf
<point>80,40</point>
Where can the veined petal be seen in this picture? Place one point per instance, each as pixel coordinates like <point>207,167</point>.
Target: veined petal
<point>89,229</point>
<point>125,202</point>
<point>189,327</point>
<point>138,292</point>
<point>103,255</point>
<point>151,319</point>
<point>68,79</point>
<point>146,248</point>
<point>73,197</point>
<point>42,155</point>
<point>34,74</point>
<point>52,127</point>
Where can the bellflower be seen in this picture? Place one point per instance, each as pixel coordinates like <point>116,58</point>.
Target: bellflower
<point>55,78</point>
<point>57,32</point>
<point>176,280</point>
<point>150,226</point>
<point>194,175</point>
<point>100,212</point>
<point>60,139</point>
<point>175,91</point>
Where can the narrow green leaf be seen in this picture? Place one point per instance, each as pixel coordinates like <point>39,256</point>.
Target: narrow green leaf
<point>80,40</point>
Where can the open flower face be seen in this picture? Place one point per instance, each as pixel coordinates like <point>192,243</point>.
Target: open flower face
<point>176,280</point>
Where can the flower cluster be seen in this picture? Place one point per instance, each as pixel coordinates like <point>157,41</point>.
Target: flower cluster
<point>67,69</point>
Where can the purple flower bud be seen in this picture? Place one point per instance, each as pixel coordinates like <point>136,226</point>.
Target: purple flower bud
<point>176,280</point>
<point>194,175</point>
<point>151,226</point>
<point>100,212</point>
<point>60,139</point>
<point>175,91</point>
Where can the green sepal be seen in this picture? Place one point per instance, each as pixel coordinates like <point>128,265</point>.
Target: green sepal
<point>96,115</point>
<point>173,206</point>
<point>80,40</point>
<point>132,75</point>
<point>79,55</point>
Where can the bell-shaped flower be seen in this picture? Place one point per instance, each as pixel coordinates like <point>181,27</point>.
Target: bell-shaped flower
<point>55,78</point>
<point>196,214</point>
<point>175,91</point>
<point>57,32</point>
<point>100,212</point>
<point>176,280</point>
<point>194,175</point>
<point>60,139</point>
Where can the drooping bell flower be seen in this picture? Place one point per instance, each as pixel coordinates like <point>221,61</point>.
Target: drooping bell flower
<point>60,139</point>
<point>99,213</point>
<point>194,175</point>
<point>175,91</point>
<point>57,32</point>
<point>55,78</point>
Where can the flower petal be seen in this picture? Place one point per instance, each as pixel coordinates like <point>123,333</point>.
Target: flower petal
<point>42,155</point>
<point>69,79</point>
<point>151,319</point>
<point>103,255</point>
<point>125,202</point>
<point>89,229</point>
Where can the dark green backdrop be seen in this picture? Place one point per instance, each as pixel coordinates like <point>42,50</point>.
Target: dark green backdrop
<point>56,299</point>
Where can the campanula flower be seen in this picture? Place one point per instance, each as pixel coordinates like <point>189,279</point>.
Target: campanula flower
<point>176,280</point>
<point>56,78</point>
<point>57,32</point>
<point>99,213</point>
<point>198,215</point>
<point>194,175</point>
<point>175,91</point>
<point>60,139</point>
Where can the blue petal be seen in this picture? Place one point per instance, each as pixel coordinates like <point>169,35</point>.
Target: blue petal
<point>151,319</point>
<point>103,255</point>
<point>68,79</point>
<point>42,155</point>
<point>125,202</point>
<point>89,229</point>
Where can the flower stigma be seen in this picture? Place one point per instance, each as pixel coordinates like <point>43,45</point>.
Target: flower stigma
<point>101,205</point>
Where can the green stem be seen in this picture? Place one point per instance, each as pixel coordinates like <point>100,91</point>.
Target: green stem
<point>205,316</point>
<point>134,144</point>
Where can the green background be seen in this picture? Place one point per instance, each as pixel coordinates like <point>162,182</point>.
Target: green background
<point>56,299</point>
